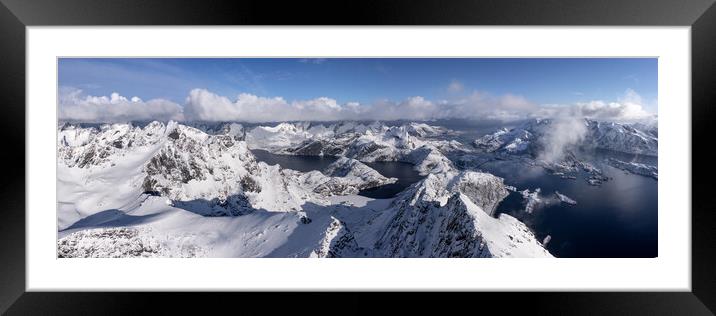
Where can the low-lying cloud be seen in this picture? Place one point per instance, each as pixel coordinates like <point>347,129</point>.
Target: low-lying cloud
<point>627,108</point>
<point>74,105</point>
<point>204,105</point>
<point>564,132</point>
<point>568,127</point>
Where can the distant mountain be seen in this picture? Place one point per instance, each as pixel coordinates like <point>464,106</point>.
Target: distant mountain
<point>410,142</point>
<point>529,137</point>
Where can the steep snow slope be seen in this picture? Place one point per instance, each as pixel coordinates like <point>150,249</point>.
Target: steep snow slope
<point>101,169</point>
<point>92,146</point>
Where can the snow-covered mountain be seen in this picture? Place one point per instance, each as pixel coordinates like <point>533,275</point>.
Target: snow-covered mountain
<point>409,142</point>
<point>626,138</point>
<point>449,215</point>
<point>176,190</point>
<point>187,165</point>
<point>530,137</point>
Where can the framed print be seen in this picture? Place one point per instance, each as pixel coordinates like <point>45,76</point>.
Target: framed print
<point>392,149</point>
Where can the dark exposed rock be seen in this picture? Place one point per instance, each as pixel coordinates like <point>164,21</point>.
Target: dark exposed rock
<point>149,184</point>
<point>305,220</point>
<point>249,184</point>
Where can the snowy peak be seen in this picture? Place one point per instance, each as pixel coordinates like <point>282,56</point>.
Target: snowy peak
<point>533,135</point>
<point>621,137</point>
<point>85,147</point>
<point>483,189</point>
<point>190,160</point>
<point>449,215</point>
<point>425,130</point>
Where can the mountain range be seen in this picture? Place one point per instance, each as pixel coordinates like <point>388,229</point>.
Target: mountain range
<point>195,189</point>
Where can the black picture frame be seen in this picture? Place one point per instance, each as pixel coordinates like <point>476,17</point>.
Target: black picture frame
<point>15,15</point>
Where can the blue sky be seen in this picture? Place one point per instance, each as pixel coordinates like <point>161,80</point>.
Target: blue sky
<point>561,81</point>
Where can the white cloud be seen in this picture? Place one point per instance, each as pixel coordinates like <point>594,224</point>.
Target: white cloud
<point>629,107</point>
<point>205,105</point>
<point>564,132</point>
<point>568,128</point>
<point>75,105</point>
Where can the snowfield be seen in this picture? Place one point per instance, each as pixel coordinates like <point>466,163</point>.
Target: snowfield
<point>173,190</point>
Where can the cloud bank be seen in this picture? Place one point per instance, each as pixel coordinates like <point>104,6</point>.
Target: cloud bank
<point>204,105</point>
<point>74,105</point>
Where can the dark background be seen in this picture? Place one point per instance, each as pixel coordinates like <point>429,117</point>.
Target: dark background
<point>16,14</point>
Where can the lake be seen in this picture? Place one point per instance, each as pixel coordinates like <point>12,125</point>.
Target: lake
<point>403,171</point>
<point>298,163</point>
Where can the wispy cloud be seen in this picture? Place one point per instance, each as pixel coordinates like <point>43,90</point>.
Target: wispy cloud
<point>455,86</point>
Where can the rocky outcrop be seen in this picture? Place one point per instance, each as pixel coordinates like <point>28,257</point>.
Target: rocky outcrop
<point>635,168</point>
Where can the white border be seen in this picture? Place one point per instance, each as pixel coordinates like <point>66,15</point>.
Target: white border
<point>670,271</point>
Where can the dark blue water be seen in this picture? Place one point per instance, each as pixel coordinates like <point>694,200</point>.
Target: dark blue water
<point>298,163</point>
<point>615,220</point>
<point>403,171</point>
